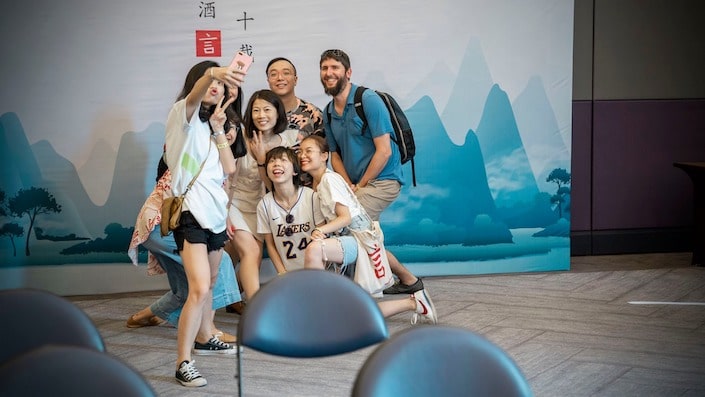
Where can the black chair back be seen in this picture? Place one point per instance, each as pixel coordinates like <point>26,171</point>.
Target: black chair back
<point>75,371</point>
<point>439,361</point>
<point>33,318</point>
<point>310,313</point>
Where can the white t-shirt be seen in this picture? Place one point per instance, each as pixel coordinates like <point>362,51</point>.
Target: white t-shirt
<point>188,142</point>
<point>333,189</point>
<point>271,218</point>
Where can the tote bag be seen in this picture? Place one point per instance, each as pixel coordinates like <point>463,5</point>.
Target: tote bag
<point>372,271</point>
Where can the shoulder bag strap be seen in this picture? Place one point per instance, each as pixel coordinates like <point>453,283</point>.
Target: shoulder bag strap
<point>210,143</point>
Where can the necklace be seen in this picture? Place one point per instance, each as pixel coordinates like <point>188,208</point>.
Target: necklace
<point>289,218</point>
<point>285,204</point>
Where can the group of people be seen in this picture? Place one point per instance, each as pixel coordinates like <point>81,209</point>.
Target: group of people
<point>281,176</point>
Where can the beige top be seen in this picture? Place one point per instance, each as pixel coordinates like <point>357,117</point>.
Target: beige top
<point>247,187</point>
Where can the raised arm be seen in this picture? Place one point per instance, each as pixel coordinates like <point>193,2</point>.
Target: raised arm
<point>217,122</point>
<point>229,77</point>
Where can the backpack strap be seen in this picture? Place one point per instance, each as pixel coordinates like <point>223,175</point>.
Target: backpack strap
<point>357,102</point>
<point>329,121</point>
<point>358,107</point>
<point>361,111</point>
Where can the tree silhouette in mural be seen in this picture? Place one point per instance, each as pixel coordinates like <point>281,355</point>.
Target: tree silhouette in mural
<point>3,205</point>
<point>12,230</point>
<point>561,178</point>
<point>32,202</point>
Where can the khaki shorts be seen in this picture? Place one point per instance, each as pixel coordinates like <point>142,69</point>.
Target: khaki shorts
<point>377,196</point>
<point>246,221</point>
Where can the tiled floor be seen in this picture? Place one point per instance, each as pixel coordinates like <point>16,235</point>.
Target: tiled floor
<point>572,333</point>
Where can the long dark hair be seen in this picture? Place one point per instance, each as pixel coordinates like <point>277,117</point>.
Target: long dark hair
<point>234,111</point>
<point>234,117</point>
<point>271,97</point>
<point>196,72</point>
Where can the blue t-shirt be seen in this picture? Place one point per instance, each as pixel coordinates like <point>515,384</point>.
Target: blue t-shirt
<point>344,132</point>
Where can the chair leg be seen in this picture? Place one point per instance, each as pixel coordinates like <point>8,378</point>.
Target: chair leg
<point>239,369</point>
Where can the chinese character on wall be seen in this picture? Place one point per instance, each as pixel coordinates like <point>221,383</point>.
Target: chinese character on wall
<point>207,10</point>
<point>244,19</point>
<point>208,43</point>
<point>247,49</point>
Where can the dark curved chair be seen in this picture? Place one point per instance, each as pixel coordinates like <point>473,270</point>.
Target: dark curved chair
<point>33,318</point>
<point>439,361</point>
<point>60,370</point>
<point>309,313</point>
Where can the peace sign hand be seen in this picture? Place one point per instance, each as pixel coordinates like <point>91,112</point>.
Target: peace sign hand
<point>218,118</point>
<point>257,147</point>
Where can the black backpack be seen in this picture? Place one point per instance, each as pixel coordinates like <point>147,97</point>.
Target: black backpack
<point>403,136</point>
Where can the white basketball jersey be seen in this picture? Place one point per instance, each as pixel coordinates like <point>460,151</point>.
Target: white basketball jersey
<point>290,238</point>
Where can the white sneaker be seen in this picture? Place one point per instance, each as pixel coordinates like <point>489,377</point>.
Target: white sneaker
<point>424,307</point>
<point>189,376</point>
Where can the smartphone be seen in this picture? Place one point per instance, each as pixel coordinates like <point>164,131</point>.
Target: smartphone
<point>241,61</point>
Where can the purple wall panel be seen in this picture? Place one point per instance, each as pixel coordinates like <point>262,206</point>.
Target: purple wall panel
<point>580,169</point>
<point>635,143</point>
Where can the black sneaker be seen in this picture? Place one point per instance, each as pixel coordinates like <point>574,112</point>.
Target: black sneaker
<point>399,288</point>
<point>189,376</point>
<point>213,346</point>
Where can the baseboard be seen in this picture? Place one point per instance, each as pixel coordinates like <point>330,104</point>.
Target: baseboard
<point>630,241</point>
<point>68,280</point>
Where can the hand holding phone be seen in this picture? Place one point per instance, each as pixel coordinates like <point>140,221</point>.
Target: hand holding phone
<point>241,61</point>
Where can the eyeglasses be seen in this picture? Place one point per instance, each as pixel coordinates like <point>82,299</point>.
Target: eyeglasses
<point>307,152</point>
<point>289,219</point>
<point>273,75</point>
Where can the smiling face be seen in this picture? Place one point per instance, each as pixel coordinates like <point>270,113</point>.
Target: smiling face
<point>281,77</point>
<point>312,157</point>
<point>334,76</point>
<point>280,169</point>
<point>283,166</point>
<point>264,115</point>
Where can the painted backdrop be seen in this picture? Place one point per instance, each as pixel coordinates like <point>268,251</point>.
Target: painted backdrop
<point>486,86</point>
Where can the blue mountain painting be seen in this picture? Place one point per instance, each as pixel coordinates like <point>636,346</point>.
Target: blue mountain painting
<point>484,192</point>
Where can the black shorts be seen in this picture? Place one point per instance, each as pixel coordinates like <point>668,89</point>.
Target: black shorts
<point>190,230</point>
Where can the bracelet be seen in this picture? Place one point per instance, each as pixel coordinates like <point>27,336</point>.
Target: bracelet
<point>222,145</point>
<point>319,229</point>
<point>260,165</point>
<point>215,134</point>
<point>281,272</point>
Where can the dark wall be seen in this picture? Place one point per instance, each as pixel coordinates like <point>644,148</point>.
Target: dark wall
<point>638,106</point>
